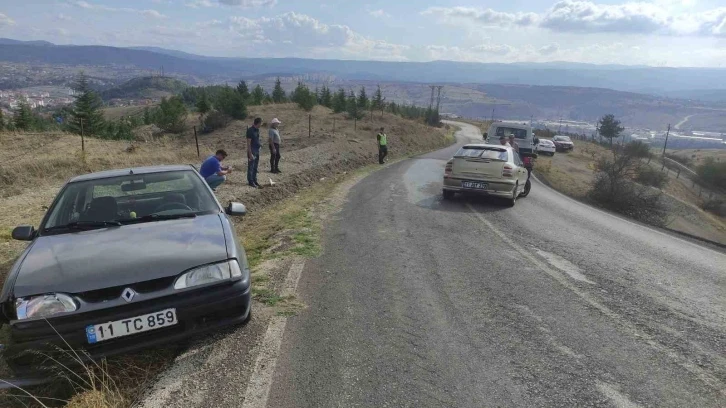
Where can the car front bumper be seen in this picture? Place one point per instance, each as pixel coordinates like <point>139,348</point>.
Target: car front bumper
<point>565,147</point>
<point>501,188</point>
<point>197,311</point>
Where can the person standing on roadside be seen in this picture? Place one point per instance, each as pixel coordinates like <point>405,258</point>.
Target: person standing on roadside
<point>275,141</point>
<point>253,152</point>
<point>512,143</point>
<point>503,141</point>
<point>382,146</point>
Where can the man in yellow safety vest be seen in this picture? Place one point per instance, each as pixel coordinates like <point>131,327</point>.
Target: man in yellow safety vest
<point>382,146</point>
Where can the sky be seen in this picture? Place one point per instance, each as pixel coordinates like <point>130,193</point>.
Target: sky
<point>648,32</point>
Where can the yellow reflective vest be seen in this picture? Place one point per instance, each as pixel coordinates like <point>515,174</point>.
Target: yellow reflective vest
<point>382,139</point>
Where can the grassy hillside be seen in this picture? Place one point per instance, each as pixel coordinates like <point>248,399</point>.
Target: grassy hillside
<point>573,174</point>
<point>145,87</point>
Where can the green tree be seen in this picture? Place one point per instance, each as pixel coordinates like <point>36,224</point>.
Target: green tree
<point>2,121</point>
<point>363,101</point>
<point>148,119</point>
<point>258,95</point>
<point>354,111</point>
<point>23,118</point>
<point>304,97</point>
<point>278,94</point>
<point>339,101</point>
<point>610,127</point>
<point>377,102</point>
<point>203,106</point>
<point>243,90</point>
<point>231,103</point>
<point>171,115</point>
<point>86,109</point>
<point>326,99</point>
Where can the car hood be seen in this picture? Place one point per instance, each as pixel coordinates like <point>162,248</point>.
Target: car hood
<point>101,258</point>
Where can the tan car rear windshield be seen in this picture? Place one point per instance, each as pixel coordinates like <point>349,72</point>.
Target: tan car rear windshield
<point>482,153</point>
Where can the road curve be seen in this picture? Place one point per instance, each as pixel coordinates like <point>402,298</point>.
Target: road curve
<point>422,302</point>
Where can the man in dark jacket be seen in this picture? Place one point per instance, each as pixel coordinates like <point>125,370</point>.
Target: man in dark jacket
<point>253,152</point>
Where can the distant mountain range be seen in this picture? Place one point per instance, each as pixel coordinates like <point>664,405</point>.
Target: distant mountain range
<point>642,79</point>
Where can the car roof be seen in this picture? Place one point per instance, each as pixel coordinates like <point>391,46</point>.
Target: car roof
<point>514,125</point>
<point>474,145</point>
<point>132,170</point>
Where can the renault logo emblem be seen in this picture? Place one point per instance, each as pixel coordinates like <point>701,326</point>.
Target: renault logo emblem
<point>128,294</point>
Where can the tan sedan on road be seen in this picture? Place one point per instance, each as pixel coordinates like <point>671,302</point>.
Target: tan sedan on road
<point>484,169</point>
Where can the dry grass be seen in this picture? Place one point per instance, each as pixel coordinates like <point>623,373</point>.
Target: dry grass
<point>699,155</point>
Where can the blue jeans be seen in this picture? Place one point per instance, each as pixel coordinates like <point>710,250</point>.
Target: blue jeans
<point>252,168</point>
<point>215,181</point>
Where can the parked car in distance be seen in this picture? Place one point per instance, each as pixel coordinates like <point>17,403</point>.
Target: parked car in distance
<point>484,169</point>
<point>124,260</point>
<point>563,143</point>
<point>546,146</point>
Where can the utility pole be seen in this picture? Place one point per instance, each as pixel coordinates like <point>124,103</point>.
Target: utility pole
<point>438,98</point>
<point>666,141</point>
<point>431,103</point>
<point>559,127</point>
<point>495,106</point>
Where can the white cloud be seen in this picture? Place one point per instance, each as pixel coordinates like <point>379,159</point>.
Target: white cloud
<point>248,3</point>
<point>63,17</point>
<point>587,17</point>
<point>485,17</point>
<point>379,13</point>
<point>99,7</point>
<point>6,21</point>
<point>496,49</point>
<point>549,49</point>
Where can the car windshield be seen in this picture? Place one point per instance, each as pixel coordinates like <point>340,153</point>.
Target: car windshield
<point>506,131</point>
<point>130,199</point>
<point>483,153</point>
<point>562,139</point>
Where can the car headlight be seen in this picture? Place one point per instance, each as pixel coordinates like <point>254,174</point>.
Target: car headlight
<point>210,274</point>
<point>44,306</point>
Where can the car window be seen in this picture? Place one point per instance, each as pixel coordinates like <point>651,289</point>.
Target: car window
<point>517,159</point>
<point>483,153</point>
<point>506,131</point>
<point>128,197</point>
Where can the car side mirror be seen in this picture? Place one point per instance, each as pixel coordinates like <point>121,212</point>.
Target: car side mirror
<point>24,233</point>
<point>238,209</point>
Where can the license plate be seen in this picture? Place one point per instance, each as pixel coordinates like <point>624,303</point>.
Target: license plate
<point>105,331</point>
<point>474,184</point>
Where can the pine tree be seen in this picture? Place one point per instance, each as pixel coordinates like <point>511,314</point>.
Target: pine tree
<point>2,121</point>
<point>230,103</point>
<point>23,117</point>
<point>354,111</point>
<point>339,101</point>
<point>278,94</point>
<point>326,99</point>
<point>258,95</point>
<point>171,115</point>
<point>203,105</point>
<point>243,90</point>
<point>362,99</point>
<point>147,116</point>
<point>86,109</point>
<point>377,102</point>
<point>610,127</point>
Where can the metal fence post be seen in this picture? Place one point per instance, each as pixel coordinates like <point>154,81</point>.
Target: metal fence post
<point>196,140</point>
<point>83,141</point>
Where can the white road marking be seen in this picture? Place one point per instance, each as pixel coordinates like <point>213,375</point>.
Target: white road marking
<point>258,389</point>
<point>618,399</point>
<point>634,331</point>
<point>565,266</point>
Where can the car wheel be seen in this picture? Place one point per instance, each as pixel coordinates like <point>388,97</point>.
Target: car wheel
<point>527,187</point>
<point>449,195</point>
<point>513,200</point>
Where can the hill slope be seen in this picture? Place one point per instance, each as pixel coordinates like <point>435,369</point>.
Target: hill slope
<point>145,87</point>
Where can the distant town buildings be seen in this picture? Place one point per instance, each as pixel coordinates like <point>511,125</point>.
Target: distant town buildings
<point>13,99</point>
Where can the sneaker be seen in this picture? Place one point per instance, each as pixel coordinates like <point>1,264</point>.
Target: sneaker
<point>254,186</point>
<point>257,185</point>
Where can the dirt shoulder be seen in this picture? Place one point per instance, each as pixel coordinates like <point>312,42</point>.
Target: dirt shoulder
<point>283,220</point>
<point>573,174</point>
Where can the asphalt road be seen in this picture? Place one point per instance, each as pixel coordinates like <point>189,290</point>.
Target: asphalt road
<point>422,302</point>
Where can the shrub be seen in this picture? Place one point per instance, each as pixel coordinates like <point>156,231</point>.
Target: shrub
<point>716,206</point>
<point>650,176</point>
<point>712,172</point>
<point>215,120</point>
<point>231,103</point>
<point>171,115</point>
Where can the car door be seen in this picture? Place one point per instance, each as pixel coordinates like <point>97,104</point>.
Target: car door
<point>521,170</point>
